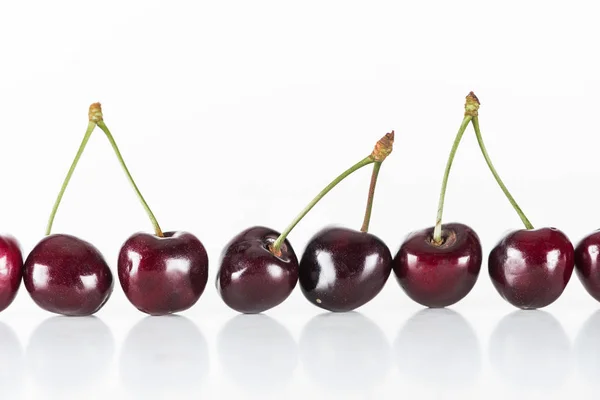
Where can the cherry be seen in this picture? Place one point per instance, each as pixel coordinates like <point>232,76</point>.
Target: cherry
<point>439,275</point>
<point>163,275</point>
<point>587,263</point>
<point>259,269</point>
<point>342,269</point>
<point>251,279</point>
<point>66,275</point>
<point>159,274</point>
<point>11,270</point>
<point>531,268</point>
<point>439,266</point>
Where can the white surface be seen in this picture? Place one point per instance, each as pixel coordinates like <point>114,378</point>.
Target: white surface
<point>232,114</point>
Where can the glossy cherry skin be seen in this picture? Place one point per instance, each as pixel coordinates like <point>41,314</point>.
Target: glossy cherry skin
<point>66,275</point>
<point>11,270</point>
<point>250,278</point>
<point>587,263</point>
<point>439,275</point>
<point>343,269</point>
<point>531,268</point>
<point>163,275</point>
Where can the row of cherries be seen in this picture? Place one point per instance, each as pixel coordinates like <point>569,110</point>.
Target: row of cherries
<point>340,270</point>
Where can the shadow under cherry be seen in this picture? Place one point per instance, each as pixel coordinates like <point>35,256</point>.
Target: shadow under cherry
<point>257,354</point>
<point>12,365</point>
<point>438,347</point>
<point>164,357</point>
<point>67,356</point>
<point>344,352</point>
<point>529,349</point>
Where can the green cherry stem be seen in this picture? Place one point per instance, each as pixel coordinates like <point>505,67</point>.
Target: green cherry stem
<point>437,231</point>
<point>276,246</point>
<point>471,107</point>
<point>365,225</point>
<point>96,119</point>
<point>111,139</point>
<point>382,149</point>
<point>510,198</point>
<point>86,138</point>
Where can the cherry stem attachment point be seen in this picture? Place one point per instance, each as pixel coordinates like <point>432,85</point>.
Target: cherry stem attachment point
<point>510,198</point>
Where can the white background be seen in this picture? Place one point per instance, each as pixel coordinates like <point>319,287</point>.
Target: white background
<point>232,114</point>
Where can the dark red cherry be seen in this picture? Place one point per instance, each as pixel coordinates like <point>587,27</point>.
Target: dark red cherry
<point>587,263</point>
<point>11,270</point>
<point>439,275</point>
<point>531,268</point>
<point>343,269</point>
<point>163,275</point>
<point>67,275</point>
<point>250,278</point>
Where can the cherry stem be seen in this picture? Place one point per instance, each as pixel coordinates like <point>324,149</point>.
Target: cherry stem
<point>111,139</point>
<point>276,246</point>
<point>512,201</point>
<point>86,138</point>
<point>437,231</point>
<point>376,168</point>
